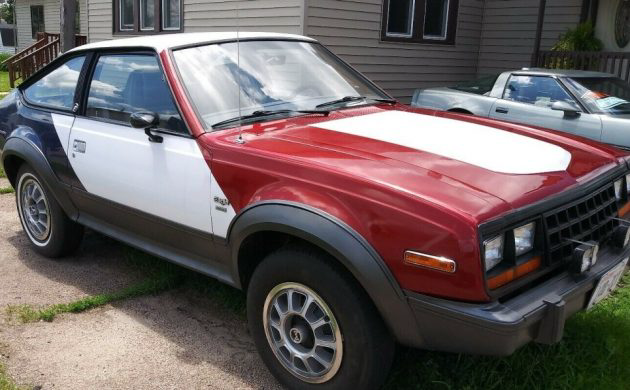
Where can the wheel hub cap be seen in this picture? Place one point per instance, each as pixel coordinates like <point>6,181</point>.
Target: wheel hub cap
<point>34,209</point>
<point>302,332</point>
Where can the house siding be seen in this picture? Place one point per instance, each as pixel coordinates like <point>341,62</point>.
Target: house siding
<point>52,16</point>
<point>509,31</point>
<point>283,16</point>
<point>352,30</point>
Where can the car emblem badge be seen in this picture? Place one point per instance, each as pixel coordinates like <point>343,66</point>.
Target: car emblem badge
<point>221,204</point>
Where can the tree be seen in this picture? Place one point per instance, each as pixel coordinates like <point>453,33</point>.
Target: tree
<point>6,11</point>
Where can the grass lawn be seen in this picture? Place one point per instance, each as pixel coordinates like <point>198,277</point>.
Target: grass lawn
<point>4,82</point>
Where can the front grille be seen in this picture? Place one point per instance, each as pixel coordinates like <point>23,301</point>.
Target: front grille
<point>590,218</point>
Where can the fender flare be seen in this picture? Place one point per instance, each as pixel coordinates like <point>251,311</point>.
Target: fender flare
<point>26,150</point>
<point>343,243</point>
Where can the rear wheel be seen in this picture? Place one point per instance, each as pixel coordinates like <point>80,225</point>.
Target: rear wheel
<point>48,228</point>
<point>314,326</point>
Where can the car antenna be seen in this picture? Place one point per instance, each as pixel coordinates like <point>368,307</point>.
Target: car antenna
<point>239,140</point>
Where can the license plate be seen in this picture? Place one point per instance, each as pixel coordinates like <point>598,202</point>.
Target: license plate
<point>607,284</point>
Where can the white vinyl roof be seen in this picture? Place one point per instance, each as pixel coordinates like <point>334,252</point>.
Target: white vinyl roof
<point>166,41</point>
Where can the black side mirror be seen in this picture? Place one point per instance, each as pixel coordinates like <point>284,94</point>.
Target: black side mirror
<point>147,121</point>
<point>570,110</point>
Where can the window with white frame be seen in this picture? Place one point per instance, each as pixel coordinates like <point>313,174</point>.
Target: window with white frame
<point>147,16</point>
<point>423,21</point>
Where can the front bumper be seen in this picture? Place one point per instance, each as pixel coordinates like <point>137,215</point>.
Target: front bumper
<point>495,328</point>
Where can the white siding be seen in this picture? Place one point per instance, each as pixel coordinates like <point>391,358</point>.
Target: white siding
<point>52,14</point>
<point>215,15</point>
<point>509,31</point>
<point>352,30</point>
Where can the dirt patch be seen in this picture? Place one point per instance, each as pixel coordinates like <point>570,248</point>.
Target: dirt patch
<point>178,339</point>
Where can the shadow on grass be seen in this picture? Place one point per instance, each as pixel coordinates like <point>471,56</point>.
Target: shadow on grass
<point>594,354</point>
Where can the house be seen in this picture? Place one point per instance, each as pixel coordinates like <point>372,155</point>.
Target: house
<point>400,44</point>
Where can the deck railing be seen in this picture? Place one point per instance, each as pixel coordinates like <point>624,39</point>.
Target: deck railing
<point>33,58</point>
<point>617,63</point>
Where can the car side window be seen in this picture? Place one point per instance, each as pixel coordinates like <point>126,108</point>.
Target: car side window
<point>540,91</point>
<point>56,89</point>
<point>126,83</point>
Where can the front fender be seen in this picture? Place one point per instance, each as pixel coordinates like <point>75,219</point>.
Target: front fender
<point>17,150</point>
<point>339,240</point>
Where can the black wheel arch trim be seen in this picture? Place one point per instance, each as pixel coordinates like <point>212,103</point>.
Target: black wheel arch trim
<point>30,153</point>
<point>342,242</point>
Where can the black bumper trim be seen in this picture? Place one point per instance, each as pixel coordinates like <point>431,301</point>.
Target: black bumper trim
<point>499,328</point>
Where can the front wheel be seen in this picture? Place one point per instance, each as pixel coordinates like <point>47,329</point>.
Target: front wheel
<point>48,228</point>
<point>314,326</point>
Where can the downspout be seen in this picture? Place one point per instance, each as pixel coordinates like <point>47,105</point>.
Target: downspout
<point>481,38</point>
<point>539,28</point>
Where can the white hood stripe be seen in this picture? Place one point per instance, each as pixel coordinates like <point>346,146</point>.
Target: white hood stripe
<point>486,147</point>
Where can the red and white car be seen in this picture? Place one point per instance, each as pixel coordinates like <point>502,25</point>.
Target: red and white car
<point>352,221</point>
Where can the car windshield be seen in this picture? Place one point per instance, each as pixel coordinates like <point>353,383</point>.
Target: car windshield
<point>602,95</point>
<point>480,86</point>
<point>283,76</point>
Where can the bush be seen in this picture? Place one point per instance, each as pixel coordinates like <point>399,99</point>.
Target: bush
<point>3,57</point>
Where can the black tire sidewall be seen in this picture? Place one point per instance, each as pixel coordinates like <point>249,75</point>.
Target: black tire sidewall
<point>367,346</point>
<point>61,228</point>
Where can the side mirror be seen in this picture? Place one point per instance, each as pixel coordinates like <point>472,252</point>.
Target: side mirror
<point>570,110</point>
<point>147,121</point>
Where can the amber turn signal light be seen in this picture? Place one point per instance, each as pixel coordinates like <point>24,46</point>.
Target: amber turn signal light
<point>623,210</point>
<point>427,261</point>
<point>514,273</point>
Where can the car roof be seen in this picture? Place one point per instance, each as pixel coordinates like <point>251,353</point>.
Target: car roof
<point>167,41</point>
<point>560,72</point>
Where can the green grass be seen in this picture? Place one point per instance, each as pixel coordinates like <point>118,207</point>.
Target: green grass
<point>594,354</point>
<point>2,174</point>
<point>4,82</point>
<point>6,383</point>
<point>7,190</point>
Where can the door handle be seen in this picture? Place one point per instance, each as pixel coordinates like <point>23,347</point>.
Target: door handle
<point>78,146</point>
<point>501,110</point>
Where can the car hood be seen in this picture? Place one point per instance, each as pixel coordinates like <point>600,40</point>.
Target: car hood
<point>478,166</point>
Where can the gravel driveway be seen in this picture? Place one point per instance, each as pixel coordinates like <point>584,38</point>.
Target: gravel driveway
<point>178,339</point>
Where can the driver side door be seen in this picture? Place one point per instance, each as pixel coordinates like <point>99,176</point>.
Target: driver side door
<point>528,99</point>
<point>156,192</point>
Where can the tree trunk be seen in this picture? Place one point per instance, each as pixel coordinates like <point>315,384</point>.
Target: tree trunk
<point>68,25</point>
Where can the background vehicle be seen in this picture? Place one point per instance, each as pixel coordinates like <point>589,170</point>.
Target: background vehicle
<point>350,220</point>
<point>589,104</point>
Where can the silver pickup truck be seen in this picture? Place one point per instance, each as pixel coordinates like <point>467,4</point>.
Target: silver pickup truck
<point>589,104</point>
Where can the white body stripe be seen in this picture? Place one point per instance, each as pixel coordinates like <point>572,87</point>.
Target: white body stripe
<point>63,125</point>
<point>170,180</point>
<point>486,147</point>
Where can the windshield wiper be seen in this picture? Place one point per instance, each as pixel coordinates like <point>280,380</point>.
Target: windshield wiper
<point>265,113</point>
<point>347,99</point>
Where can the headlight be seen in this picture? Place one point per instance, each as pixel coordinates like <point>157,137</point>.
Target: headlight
<point>524,238</point>
<point>619,189</point>
<point>493,252</point>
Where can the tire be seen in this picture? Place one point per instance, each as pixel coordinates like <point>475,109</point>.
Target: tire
<point>47,227</point>
<point>360,348</point>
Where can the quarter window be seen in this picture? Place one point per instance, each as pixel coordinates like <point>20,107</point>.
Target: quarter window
<point>126,83</point>
<point>537,90</point>
<point>56,89</point>
<point>37,20</point>
<point>423,21</point>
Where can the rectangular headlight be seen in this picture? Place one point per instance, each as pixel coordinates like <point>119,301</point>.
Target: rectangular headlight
<point>493,252</point>
<point>524,238</point>
<point>619,189</point>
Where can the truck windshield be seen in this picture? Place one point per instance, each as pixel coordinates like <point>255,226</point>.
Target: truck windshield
<point>274,76</point>
<point>602,95</point>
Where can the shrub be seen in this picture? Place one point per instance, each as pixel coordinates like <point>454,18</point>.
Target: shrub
<point>3,57</point>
